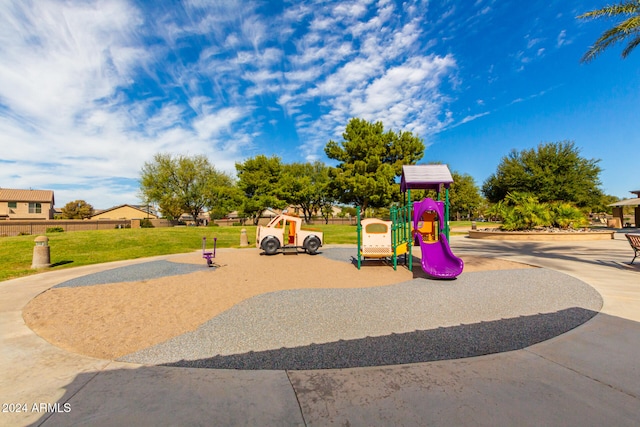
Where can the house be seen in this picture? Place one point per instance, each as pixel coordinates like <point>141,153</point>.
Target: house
<point>297,210</point>
<point>125,212</point>
<point>26,204</point>
<point>267,213</point>
<point>618,214</point>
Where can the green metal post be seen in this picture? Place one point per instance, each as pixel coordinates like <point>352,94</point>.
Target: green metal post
<point>446,213</point>
<point>359,229</point>
<point>394,235</point>
<point>409,225</point>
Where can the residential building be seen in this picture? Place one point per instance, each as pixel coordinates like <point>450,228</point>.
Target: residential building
<point>26,204</point>
<point>125,212</point>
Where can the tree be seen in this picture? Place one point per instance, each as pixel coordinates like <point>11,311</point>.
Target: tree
<point>223,196</point>
<point>347,211</point>
<point>182,184</point>
<point>603,204</point>
<point>305,185</point>
<point>552,172</point>
<point>370,159</point>
<point>78,209</point>
<point>629,28</point>
<point>171,207</point>
<point>326,210</point>
<point>464,196</point>
<point>258,179</point>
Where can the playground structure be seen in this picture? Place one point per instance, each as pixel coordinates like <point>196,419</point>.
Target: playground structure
<point>378,239</point>
<point>377,235</point>
<point>437,259</point>
<point>284,233</point>
<point>425,223</point>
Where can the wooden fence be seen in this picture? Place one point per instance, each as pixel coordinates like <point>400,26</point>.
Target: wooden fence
<point>18,227</point>
<point>29,227</point>
<point>265,221</point>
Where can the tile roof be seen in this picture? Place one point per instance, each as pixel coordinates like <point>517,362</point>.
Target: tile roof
<point>12,195</point>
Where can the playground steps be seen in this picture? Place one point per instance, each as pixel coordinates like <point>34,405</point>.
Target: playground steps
<point>290,250</point>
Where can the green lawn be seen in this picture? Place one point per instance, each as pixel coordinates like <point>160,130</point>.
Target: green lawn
<point>79,248</point>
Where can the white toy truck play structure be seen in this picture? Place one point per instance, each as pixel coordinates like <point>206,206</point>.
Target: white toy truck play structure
<point>284,233</point>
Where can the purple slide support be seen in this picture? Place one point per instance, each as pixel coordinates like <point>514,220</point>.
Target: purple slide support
<point>437,259</point>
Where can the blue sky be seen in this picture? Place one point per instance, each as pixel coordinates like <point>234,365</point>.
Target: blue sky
<point>91,90</point>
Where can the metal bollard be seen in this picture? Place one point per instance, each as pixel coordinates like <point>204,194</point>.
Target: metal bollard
<point>243,238</point>
<point>41,253</point>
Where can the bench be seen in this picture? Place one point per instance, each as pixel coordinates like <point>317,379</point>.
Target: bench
<point>634,241</point>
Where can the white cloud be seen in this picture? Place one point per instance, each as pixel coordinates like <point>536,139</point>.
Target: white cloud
<point>67,123</point>
<point>58,60</point>
<point>533,42</point>
<point>90,90</point>
<point>262,76</point>
<point>254,30</point>
<point>303,75</point>
<point>351,9</point>
<point>381,79</point>
<point>561,40</point>
<point>405,97</point>
<point>211,125</point>
<point>468,119</point>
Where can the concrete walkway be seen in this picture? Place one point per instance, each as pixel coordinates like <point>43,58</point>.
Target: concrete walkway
<point>588,376</point>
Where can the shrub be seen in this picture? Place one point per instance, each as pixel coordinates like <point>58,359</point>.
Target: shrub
<point>565,215</point>
<point>146,223</point>
<point>497,211</point>
<point>522,211</point>
<point>55,230</point>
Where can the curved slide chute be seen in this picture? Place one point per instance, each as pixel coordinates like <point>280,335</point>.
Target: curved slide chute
<point>437,259</point>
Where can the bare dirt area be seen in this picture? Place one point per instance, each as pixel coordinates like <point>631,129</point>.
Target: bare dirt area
<point>111,320</point>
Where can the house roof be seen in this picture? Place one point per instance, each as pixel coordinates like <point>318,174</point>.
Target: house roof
<point>99,212</point>
<point>13,195</point>
<point>635,201</point>
<point>425,177</point>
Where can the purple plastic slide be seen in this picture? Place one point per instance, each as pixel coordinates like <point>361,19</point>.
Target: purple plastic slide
<point>437,259</point>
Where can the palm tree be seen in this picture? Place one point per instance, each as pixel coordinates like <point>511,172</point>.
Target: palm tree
<point>629,28</point>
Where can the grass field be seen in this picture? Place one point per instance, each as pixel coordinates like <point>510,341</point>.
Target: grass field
<point>91,247</point>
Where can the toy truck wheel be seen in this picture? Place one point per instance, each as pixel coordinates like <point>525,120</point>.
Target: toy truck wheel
<point>311,244</point>
<point>270,245</point>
